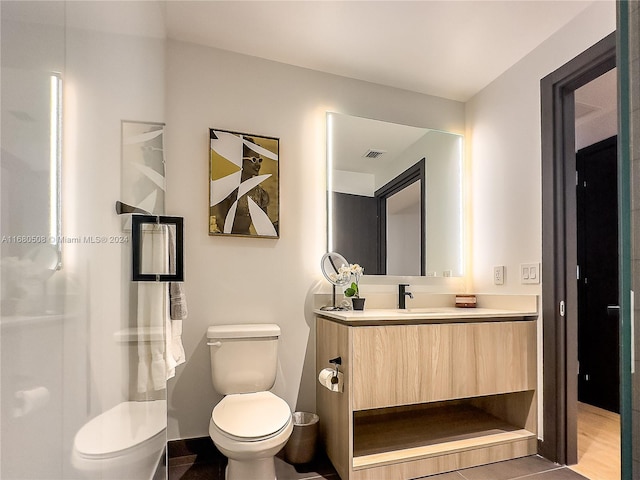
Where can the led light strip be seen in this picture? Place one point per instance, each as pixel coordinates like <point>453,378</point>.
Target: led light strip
<point>55,157</point>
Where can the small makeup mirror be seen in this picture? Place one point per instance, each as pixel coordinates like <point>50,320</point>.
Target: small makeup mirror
<point>330,265</point>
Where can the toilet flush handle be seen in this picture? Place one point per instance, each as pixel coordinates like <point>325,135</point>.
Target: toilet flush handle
<point>214,344</point>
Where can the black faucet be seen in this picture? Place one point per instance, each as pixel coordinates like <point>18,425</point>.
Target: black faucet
<point>402,295</point>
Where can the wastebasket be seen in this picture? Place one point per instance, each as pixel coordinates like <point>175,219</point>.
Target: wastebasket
<point>301,446</point>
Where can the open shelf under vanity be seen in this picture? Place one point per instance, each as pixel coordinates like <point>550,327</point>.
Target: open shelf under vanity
<point>392,435</point>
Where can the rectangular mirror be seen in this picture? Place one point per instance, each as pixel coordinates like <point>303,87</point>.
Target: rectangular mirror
<point>395,197</point>
<point>157,248</point>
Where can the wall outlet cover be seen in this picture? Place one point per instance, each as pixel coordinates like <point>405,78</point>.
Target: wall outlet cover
<point>498,275</point>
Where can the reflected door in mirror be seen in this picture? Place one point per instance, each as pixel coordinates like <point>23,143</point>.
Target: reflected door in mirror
<point>356,229</point>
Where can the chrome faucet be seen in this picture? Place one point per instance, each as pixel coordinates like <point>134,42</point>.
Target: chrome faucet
<point>402,295</point>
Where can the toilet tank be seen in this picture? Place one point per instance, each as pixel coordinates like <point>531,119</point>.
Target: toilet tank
<point>243,357</point>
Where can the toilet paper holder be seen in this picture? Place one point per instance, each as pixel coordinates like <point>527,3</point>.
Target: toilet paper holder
<point>336,363</point>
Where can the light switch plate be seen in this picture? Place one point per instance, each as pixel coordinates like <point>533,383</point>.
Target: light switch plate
<point>530,273</point>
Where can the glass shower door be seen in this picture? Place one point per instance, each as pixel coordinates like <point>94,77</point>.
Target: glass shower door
<point>71,73</point>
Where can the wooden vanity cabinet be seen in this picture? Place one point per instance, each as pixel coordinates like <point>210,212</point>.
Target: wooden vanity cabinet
<point>422,399</point>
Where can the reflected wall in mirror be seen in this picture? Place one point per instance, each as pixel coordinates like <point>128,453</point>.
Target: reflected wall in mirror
<point>395,197</point>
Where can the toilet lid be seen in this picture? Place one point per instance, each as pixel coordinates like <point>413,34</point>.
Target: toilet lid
<point>251,415</point>
<point>127,425</point>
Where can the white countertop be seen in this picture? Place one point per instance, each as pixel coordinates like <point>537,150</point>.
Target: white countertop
<point>424,315</point>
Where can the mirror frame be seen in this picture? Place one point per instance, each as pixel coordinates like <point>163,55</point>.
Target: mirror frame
<point>328,256</point>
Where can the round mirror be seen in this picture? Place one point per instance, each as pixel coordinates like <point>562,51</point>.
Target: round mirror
<point>330,264</point>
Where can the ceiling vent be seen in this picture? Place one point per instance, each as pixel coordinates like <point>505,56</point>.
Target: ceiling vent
<point>374,153</point>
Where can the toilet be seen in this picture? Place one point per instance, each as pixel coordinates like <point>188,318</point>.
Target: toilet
<point>126,441</point>
<point>250,424</point>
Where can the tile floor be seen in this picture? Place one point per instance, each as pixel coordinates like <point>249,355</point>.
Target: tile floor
<point>526,468</point>
<point>200,460</point>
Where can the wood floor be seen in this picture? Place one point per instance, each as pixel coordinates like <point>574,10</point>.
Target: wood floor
<point>598,443</point>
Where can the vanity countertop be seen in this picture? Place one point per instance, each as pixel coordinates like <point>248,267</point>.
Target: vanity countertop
<point>425,315</point>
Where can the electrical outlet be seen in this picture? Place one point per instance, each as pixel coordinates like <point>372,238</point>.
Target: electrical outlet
<point>498,275</point>
<point>530,273</point>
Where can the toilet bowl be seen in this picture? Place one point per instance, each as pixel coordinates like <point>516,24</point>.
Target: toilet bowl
<point>126,441</point>
<point>250,424</point>
<point>249,429</point>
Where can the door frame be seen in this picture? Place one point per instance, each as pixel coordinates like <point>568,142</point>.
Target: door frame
<point>559,253</point>
<point>417,171</point>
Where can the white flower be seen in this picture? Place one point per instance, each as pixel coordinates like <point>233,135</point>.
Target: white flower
<point>352,273</point>
<point>356,269</point>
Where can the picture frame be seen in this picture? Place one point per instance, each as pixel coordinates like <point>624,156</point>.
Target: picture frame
<point>244,184</point>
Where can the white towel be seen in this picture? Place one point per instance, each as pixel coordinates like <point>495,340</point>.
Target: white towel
<point>157,356</point>
<point>152,310</point>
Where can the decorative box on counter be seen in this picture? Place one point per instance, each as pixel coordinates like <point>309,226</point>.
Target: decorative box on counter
<point>466,301</point>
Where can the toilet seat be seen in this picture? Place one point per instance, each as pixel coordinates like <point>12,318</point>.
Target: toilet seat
<point>251,417</point>
<point>121,430</point>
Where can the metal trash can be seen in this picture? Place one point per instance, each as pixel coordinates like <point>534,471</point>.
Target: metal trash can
<point>301,447</point>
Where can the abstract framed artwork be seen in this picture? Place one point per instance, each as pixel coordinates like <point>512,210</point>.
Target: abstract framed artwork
<point>244,185</point>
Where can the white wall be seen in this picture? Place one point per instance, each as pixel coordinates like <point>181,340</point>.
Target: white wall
<point>354,183</point>
<point>503,138</point>
<point>504,147</point>
<point>403,241</point>
<point>242,280</point>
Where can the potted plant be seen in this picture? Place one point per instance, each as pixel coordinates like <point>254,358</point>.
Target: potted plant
<point>356,272</point>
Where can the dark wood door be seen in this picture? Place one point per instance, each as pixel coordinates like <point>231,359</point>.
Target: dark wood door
<point>598,323</point>
<point>355,230</point>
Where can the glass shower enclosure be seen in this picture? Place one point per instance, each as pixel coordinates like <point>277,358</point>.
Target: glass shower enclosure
<point>71,73</point>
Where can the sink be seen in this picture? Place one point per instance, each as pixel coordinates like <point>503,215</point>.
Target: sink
<point>426,310</point>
